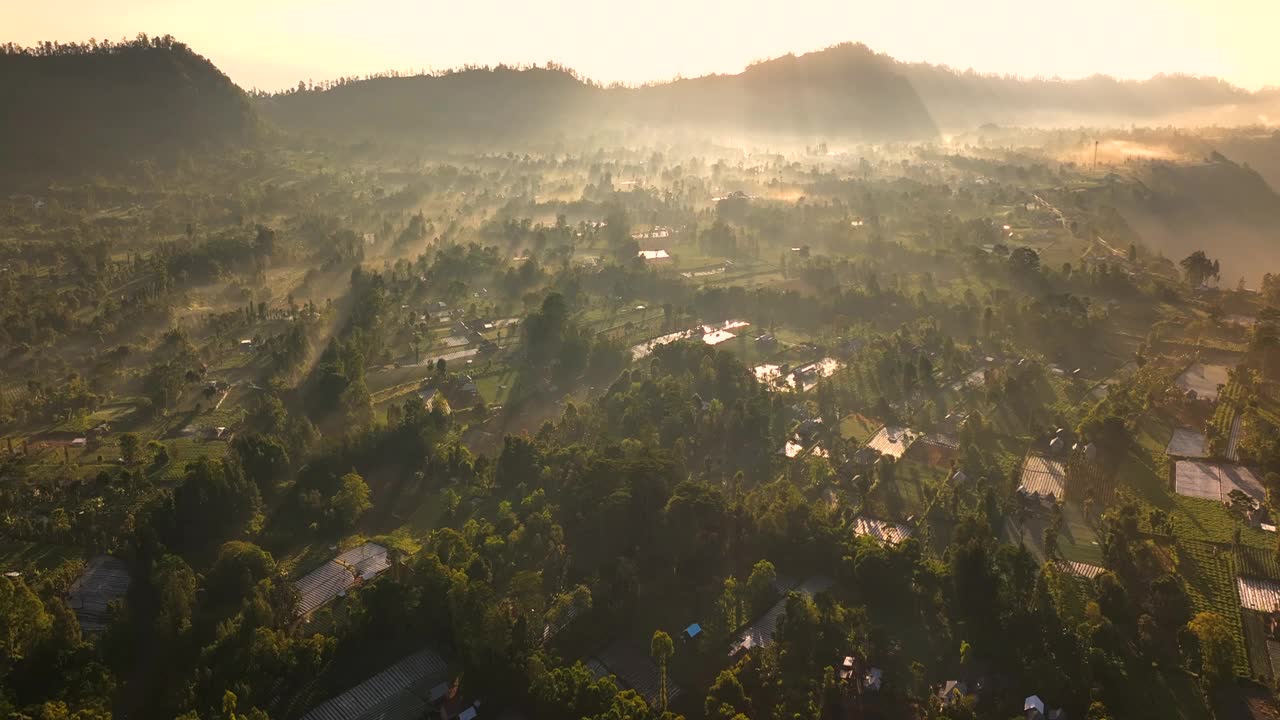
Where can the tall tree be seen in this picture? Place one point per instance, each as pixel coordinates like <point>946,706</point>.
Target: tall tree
<point>1198,268</point>
<point>661,648</point>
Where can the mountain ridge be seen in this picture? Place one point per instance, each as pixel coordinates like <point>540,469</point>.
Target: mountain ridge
<point>102,103</point>
<point>843,90</point>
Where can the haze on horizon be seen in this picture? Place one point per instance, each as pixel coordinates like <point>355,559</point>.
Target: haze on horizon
<point>272,44</point>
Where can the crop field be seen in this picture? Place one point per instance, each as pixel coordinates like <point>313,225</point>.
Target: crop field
<point>1208,521</point>
<point>1255,638</point>
<point>19,555</point>
<point>857,428</point>
<point>913,488</point>
<point>185,450</point>
<point>1211,583</point>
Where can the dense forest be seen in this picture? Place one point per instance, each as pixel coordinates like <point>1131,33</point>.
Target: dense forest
<point>76,105</point>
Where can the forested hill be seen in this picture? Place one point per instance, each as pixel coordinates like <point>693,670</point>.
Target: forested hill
<point>843,91</point>
<point>472,104</point>
<point>78,106</point>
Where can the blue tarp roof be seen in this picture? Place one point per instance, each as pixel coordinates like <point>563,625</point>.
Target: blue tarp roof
<point>693,630</point>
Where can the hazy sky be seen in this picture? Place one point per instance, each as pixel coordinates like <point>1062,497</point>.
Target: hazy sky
<point>273,43</point>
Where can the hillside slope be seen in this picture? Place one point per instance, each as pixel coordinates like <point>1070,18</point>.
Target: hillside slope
<point>1224,208</point>
<point>75,106</point>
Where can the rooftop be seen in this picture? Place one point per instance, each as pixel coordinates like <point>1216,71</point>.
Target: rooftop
<point>760,633</point>
<point>334,578</point>
<point>882,530</point>
<point>400,692</point>
<point>104,580</point>
<point>1041,475</point>
<point>1258,594</point>
<point>634,668</point>
<point>893,441</point>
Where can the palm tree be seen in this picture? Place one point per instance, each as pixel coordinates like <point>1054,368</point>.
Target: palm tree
<point>661,648</point>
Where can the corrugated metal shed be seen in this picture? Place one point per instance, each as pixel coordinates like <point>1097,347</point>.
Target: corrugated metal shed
<point>401,692</point>
<point>635,669</point>
<point>1079,569</point>
<point>882,530</point>
<point>760,633</point>
<point>1042,475</point>
<point>1258,594</point>
<point>322,585</point>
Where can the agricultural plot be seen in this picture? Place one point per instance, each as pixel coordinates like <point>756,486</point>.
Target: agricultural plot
<point>912,491</point>
<point>19,556</point>
<point>1214,481</point>
<point>1204,380</point>
<point>1187,443</point>
<point>1210,521</point>
<point>857,428</point>
<point>1211,584</point>
<point>1077,542</point>
<point>186,450</point>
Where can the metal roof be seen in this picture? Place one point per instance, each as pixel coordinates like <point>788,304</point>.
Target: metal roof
<point>635,669</point>
<point>401,692</point>
<point>340,574</point>
<point>104,580</point>
<point>884,531</point>
<point>760,633</point>
<point>1041,475</point>
<point>893,441</point>
<point>1079,569</point>
<point>1258,594</point>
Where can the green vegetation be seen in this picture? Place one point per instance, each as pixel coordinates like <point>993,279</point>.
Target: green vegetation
<point>384,316</point>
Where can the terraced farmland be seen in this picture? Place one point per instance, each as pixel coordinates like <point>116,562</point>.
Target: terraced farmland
<point>1211,583</point>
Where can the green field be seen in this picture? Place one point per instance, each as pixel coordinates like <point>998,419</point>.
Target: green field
<point>1211,582</point>
<point>858,428</point>
<point>22,555</point>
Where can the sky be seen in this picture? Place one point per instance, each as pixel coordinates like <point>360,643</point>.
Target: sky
<point>272,44</point>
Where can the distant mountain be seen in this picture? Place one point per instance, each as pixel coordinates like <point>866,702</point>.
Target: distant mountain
<point>81,106</point>
<point>847,91</point>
